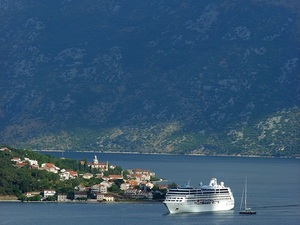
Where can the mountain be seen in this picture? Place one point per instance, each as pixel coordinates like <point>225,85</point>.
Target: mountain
<point>180,76</point>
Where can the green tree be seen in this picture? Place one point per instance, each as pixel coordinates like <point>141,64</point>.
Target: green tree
<point>172,185</point>
<point>70,195</point>
<point>51,198</point>
<point>114,188</point>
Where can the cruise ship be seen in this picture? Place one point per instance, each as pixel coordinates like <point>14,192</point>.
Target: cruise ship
<point>205,198</point>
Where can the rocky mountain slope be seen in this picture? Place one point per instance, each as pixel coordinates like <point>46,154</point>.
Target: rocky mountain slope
<point>203,77</point>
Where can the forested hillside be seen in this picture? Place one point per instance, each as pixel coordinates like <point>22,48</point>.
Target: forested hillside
<point>181,76</point>
<point>17,180</point>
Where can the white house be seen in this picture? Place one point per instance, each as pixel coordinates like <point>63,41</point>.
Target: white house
<point>125,186</point>
<point>31,162</point>
<point>64,175</point>
<point>99,188</point>
<point>48,193</point>
<point>67,174</point>
<point>31,194</point>
<point>138,194</point>
<point>141,175</point>
<point>16,159</point>
<point>5,149</point>
<point>62,198</point>
<point>106,184</point>
<point>105,197</point>
<point>150,185</point>
<point>87,176</point>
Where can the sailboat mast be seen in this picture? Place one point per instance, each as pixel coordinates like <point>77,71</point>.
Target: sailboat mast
<point>242,199</point>
<point>246,210</point>
<point>246,193</point>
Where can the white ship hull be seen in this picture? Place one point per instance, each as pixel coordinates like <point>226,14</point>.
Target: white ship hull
<point>196,208</point>
<point>206,198</point>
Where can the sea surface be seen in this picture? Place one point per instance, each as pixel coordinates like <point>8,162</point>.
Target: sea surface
<point>273,192</point>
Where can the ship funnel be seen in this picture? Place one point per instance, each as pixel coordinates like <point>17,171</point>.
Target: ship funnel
<point>213,182</point>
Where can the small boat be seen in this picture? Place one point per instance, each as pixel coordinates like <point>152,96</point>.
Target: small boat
<point>245,210</point>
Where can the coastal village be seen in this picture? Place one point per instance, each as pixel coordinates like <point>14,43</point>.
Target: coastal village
<point>132,184</point>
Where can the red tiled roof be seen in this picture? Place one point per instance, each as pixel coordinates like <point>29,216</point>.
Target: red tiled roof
<point>73,173</point>
<point>21,164</point>
<point>49,165</point>
<point>15,159</point>
<point>115,176</point>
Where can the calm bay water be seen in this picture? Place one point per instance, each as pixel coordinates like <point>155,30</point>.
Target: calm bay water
<point>273,186</point>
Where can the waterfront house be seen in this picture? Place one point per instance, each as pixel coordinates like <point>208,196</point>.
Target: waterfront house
<point>62,198</point>
<point>138,194</point>
<point>48,193</point>
<point>31,194</point>
<point>105,197</point>
<point>80,194</point>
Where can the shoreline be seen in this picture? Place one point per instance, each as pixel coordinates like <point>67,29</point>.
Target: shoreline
<point>170,154</point>
<point>84,202</point>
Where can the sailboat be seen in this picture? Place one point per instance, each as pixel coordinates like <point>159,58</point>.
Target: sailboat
<point>245,210</point>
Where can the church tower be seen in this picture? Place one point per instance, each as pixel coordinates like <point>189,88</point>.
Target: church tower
<point>95,161</point>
